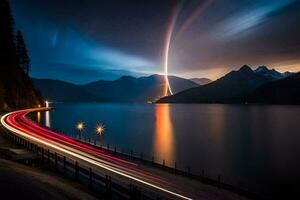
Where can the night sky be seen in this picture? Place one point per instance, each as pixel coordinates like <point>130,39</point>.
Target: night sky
<point>81,41</point>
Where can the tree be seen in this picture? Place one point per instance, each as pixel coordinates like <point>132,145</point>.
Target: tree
<point>8,57</point>
<point>22,53</point>
<point>8,54</point>
<point>16,89</point>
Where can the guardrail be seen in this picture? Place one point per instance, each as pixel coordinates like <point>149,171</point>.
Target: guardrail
<point>170,169</point>
<point>99,182</point>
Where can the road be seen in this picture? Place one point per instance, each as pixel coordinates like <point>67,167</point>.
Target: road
<point>170,185</point>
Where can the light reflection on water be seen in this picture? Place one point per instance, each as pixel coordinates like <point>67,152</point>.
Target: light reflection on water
<point>216,124</point>
<point>38,117</point>
<point>163,140</point>
<point>47,119</point>
<point>256,147</point>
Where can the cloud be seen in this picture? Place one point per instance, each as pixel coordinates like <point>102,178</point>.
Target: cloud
<point>231,34</point>
<point>76,49</point>
<point>120,59</point>
<point>251,17</point>
<point>71,50</point>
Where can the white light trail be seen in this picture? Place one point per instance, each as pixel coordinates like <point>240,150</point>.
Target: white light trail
<point>64,149</point>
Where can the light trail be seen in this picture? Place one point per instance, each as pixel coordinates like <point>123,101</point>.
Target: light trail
<point>17,123</point>
<point>200,10</point>
<point>169,33</point>
<point>167,41</point>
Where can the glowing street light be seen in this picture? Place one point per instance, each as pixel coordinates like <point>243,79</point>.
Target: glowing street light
<point>100,129</point>
<point>80,126</point>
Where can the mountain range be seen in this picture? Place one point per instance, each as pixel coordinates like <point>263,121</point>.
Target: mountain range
<point>245,85</point>
<point>124,89</point>
<point>272,73</point>
<point>239,86</point>
<point>283,91</point>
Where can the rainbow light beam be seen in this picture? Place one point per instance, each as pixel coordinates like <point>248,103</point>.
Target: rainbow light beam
<point>195,15</point>
<point>168,36</point>
<point>167,41</point>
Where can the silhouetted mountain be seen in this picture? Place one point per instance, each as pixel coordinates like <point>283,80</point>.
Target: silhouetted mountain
<point>143,89</point>
<point>124,89</point>
<point>60,91</point>
<point>231,88</point>
<point>201,81</point>
<point>287,74</point>
<point>284,91</point>
<point>271,73</point>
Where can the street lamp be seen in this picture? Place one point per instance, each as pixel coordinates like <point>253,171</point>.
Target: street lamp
<point>80,126</point>
<point>100,129</point>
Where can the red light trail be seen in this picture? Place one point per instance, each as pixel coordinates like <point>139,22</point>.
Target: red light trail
<point>17,123</point>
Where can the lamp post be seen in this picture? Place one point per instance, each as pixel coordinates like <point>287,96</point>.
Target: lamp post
<point>100,129</point>
<point>80,127</point>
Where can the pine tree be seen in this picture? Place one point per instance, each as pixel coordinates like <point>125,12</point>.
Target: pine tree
<point>16,89</point>
<point>22,53</point>
<point>8,54</point>
<point>8,57</point>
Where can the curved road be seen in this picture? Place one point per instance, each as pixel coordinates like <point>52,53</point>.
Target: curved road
<point>169,185</point>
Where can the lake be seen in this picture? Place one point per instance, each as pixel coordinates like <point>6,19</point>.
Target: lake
<point>250,146</point>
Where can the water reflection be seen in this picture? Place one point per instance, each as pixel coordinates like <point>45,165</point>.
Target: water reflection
<point>47,119</point>
<point>163,146</point>
<point>253,147</point>
<point>216,124</point>
<point>38,117</point>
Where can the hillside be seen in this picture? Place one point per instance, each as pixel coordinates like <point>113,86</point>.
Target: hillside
<point>271,73</point>
<point>231,88</point>
<point>143,89</point>
<point>60,91</point>
<point>284,91</point>
<point>124,89</point>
